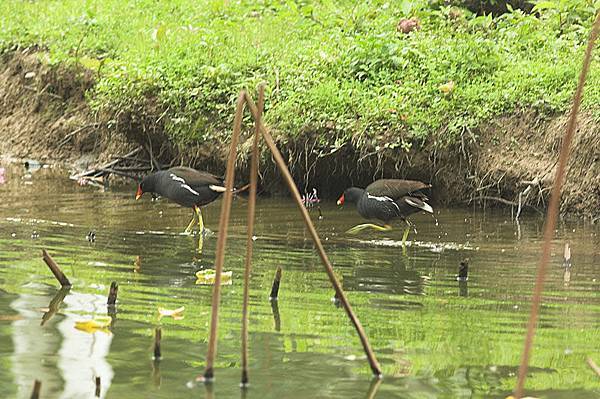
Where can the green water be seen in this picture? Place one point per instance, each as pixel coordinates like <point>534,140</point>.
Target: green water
<point>433,337</point>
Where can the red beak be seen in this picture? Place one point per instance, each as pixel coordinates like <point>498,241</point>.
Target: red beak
<point>139,192</point>
<point>340,200</point>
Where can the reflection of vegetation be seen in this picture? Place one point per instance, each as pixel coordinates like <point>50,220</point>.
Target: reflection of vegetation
<point>449,341</point>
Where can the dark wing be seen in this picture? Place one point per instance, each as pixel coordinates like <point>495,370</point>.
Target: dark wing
<point>189,187</point>
<point>196,178</point>
<point>396,188</point>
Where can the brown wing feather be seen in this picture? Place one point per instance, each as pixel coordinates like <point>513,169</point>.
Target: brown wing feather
<point>395,188</point>
<point>195,177</point>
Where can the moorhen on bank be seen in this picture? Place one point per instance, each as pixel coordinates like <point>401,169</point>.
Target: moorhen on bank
<point>185,186</point>
<point>385,200</point>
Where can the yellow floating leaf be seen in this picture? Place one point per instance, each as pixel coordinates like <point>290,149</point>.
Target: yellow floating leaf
<point>447,88</point>
<point>207,277</point>
<point>174,313</point>
<point>98,323</point>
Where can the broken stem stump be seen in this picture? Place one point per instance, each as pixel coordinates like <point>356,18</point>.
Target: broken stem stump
<point>97,393</point>
<point>60,276</point>
<point>157,338</point>
<point>275,287</point>
<point>112,294</point>
<point>37,386</point>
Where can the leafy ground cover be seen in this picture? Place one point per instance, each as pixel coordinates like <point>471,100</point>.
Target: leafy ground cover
<point>340,71</point>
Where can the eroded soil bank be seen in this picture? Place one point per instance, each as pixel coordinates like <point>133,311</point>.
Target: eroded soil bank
<point>44,115</point>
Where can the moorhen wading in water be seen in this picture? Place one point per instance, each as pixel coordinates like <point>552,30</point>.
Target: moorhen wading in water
<point>385,200</point>
<point>185,186</point>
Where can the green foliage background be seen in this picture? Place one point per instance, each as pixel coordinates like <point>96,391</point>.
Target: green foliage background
<point>338,69</point>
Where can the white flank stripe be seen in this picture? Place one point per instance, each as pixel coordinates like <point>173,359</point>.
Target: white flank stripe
<point>183,184</point>
<point>218,189</point>
<point>191,190</point>
<point>177,178</point>
<point>383,199</point>
<point>378,198</point>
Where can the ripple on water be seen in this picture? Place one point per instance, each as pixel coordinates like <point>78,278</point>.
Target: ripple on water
<point>432,334</point>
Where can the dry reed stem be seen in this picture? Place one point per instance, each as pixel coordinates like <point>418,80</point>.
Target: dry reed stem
<point>552,212</point>
<point>222,239</point>
<point>374,364</point>
<point>249,240</point>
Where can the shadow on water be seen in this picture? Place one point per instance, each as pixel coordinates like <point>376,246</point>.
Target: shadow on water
<point>435,337</point>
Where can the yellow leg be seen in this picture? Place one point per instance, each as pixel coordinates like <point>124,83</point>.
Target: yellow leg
<point>200,243</point>
<point>188,229</point>
<point>198,213</point>
<point>200,220</point>
<point>358,228</point>
<point>404,237</point>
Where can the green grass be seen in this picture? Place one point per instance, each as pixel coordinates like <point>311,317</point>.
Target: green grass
<point>336,69</point>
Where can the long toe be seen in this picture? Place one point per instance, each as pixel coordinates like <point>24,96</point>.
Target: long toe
<point>357,229</point>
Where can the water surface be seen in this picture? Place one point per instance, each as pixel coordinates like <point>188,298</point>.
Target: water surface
<point>434,337</point>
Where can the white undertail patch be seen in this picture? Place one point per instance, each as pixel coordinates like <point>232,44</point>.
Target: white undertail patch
<point>218,189</point>
<point>423,205</point>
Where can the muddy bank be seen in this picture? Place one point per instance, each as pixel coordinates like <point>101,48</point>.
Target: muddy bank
<point>44,114</point>
<point>506,162</point>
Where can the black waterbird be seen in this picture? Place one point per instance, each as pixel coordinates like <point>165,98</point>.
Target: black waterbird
<point>386,200</point>
<point>187,187</point>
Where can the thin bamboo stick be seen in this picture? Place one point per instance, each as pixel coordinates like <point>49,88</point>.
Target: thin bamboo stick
<point>374,364</point>
<point>220,251</point>
<point>249,240</point>
<point>552,212</point>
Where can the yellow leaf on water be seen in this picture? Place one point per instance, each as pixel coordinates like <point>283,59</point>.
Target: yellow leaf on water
<point>207,277</point>
<point>98,323</point>
<point>174,313</point>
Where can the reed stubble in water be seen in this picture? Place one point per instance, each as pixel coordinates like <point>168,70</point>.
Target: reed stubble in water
<point>98,387</point>
<point>112,294</point>
<point>55,269</point>
<point>37,386</point>
<point>157,339</point>
<point>273,296</point>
